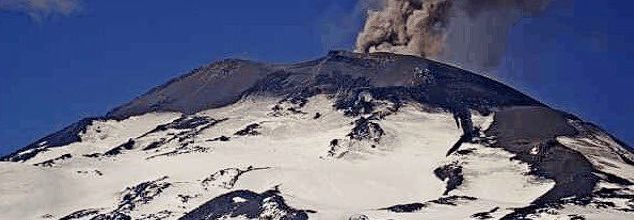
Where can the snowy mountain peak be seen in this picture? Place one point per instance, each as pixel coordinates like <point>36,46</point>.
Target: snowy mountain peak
<point>346,136</point>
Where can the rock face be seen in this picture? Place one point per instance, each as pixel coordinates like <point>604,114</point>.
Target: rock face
<point>346,136</point>
<point>251,205</point>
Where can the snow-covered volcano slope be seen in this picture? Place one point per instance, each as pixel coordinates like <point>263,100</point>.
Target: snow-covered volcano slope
<point>347,136</point>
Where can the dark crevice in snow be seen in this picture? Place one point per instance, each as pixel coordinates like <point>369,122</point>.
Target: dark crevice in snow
<point>485,215</point>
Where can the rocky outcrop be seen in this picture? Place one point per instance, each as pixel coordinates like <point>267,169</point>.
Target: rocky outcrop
<point>248,204</point>
<point>227,178</point>
<point>451,174</point>
<point>249,130</point>
<point>52,162</point>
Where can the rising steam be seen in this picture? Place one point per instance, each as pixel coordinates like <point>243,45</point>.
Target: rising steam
<point>465,32</point>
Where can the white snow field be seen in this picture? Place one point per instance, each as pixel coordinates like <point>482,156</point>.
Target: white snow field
<point>287,151</point>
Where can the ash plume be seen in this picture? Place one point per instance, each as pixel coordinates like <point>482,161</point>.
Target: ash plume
<point>468,33</point>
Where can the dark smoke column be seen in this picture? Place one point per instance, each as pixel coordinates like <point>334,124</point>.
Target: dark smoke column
<point>468,32</point>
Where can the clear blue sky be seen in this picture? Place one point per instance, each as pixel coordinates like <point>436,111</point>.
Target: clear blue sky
<point>58,69</point>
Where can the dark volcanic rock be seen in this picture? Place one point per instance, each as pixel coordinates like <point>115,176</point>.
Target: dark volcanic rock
<point>112,216</point>
<point>183,149</point>
<point>188,127</point>
<point>141,193</point>
<point>385,76</point>
<point>221,138</point>
<point>51,162</point>
<point>155,144</point>
<point>191,124</point>
<point>529,123</point>
<point>485,215</point>
<point>81,214</point>
<point>525,130</point>
<point>452,200</point>
<point>529,133</point>
<point>227,178</point>
<point>266,205</point>
<point>187,122</point>
<point>206,87</point>
<point>66,136</point>
<point>131,197</point>
<point>412,207</point>
<point>365,129</point>
<point>119,149</point>
<point>452,173</point>
<point>157,216</point>
<point>249,130</point>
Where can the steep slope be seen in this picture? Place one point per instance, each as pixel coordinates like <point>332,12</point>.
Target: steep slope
<point>347,136</point>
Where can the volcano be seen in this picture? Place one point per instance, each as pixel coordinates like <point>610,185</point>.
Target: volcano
<point>346,136</point>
